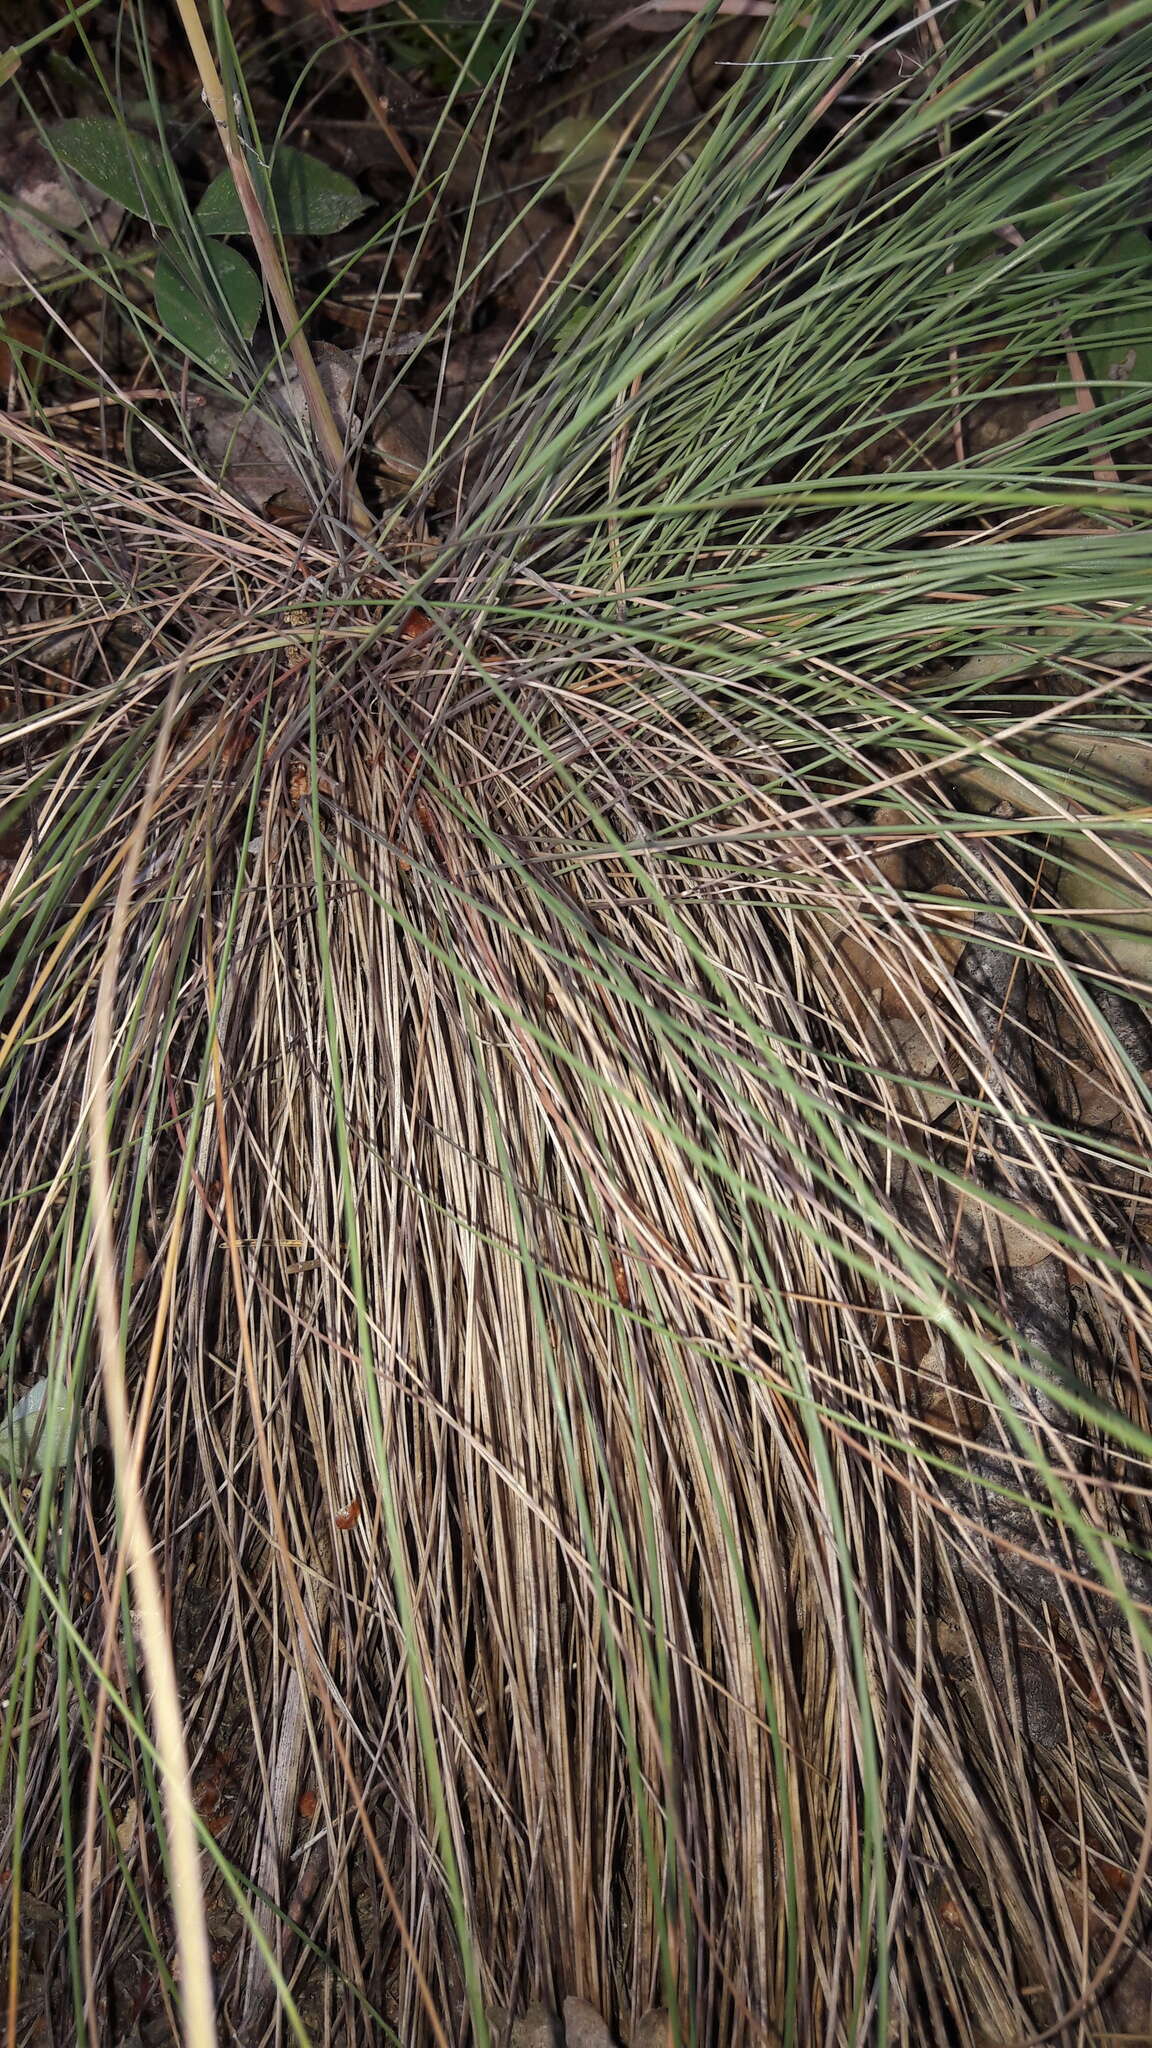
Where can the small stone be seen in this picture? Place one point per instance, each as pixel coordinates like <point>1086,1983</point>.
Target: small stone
<point>654,2031</point>
<point>583,2026</point>
<point>539,2027</point>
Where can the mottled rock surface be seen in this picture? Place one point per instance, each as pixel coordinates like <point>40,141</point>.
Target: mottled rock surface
<point>539,2027</point>
<point>583,2026</point>
<point>654,2031</point>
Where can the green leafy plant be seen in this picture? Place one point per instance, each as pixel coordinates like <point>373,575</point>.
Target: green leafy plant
<point>432,37</point>
<point>208,296</point>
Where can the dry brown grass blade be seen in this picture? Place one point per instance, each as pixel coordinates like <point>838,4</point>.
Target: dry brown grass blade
<point>199,2029</point>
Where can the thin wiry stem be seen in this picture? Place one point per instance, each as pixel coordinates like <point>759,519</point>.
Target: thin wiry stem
<point>196,1989</point>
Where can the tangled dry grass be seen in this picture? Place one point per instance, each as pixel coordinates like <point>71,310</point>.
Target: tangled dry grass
<point>575,1110</point>
<point>569,1174</point>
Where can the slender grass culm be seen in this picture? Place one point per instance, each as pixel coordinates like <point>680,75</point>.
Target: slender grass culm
<point>575,1065</point>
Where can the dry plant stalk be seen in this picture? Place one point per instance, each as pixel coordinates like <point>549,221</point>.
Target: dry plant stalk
<point>195,1972</point>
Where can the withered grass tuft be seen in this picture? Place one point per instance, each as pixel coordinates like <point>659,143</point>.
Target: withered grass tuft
<point>627,1107</point>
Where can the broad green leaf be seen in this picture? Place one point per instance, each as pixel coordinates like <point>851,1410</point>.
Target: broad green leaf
<point>130,168</point>
<point>1115,339</point>
<point>1118,349</point>
<point>1122,357</point>
<point>34,1433</point>
<point>593,152</point>
<point>189,307</point>
<point>585,141</point>
<point>309,198</point>
<point>433,39</point>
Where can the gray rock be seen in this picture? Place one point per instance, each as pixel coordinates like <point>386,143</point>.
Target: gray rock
<point>583,2026</point>
<point>654,2031</point>
<point>539,2027</point>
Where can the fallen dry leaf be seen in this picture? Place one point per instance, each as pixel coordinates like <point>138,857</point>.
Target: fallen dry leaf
<point>1110,883</point>
<point>41,203</point>
<point>126,1829</point>
<point>260,453</point>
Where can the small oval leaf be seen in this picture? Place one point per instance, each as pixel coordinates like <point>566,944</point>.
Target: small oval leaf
<point>130,168</point>
<point>309,198</point>
<point>34,1433</point>
<point>192,309</point>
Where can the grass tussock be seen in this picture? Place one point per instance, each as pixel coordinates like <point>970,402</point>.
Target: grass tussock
<point>575,1091</point>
